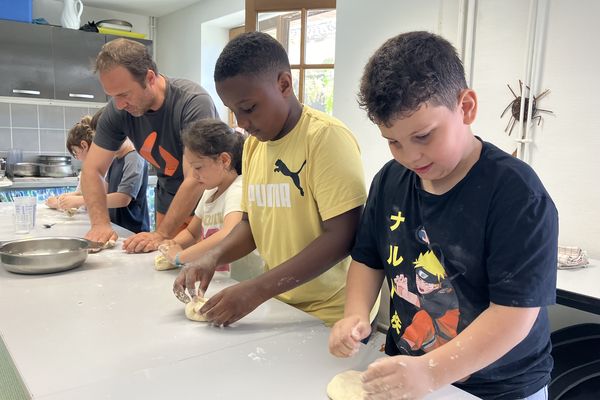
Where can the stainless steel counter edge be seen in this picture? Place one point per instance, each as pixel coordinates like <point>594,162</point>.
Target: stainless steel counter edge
<point>37,182</point>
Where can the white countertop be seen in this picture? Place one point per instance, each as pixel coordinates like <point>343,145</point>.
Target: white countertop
<point>578,288</point>
<point>113,329</point>
<point>584,281</point>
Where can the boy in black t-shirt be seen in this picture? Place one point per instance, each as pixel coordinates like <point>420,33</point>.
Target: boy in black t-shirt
<point>465,235</point>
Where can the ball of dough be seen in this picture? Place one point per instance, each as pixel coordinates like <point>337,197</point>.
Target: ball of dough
<point>108,245</point>
<point>346,386</point>
<point>71,211</point>
<point>192,308</point>
<point>162,264</point>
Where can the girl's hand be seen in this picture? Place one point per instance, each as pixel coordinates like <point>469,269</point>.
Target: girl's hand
<point>346,334</point>
<point>169,249</point>
<point>52,202</point>
<point>67,202</point>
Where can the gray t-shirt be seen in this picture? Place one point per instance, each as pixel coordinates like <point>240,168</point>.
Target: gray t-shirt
<point>129,175</point>
<point>156,135</point>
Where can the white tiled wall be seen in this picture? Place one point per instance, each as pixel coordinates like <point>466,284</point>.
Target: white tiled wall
<point>37,128</point>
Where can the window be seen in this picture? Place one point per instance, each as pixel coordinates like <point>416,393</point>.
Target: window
<point>306,29</point>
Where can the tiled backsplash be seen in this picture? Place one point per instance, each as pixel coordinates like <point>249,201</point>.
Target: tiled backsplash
<point>37,128</point>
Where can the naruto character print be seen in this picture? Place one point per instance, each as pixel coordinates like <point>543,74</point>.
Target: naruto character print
<point>422,291</point>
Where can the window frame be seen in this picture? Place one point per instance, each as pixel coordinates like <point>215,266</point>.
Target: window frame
<point>254,7</point>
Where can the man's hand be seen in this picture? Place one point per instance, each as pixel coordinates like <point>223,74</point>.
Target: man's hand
<point>399,377</point>
<point>101,233</point>
<point>143,242</point>
<point>346,334</point>
<point>232,303</point>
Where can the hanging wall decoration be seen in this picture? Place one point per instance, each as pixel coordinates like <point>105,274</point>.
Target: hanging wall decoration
<point>515,107</point>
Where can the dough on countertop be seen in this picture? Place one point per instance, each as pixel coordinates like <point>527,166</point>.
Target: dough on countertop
<point>162,264</point>
<point>346,386</point>
<point>108,245</point>
<point>192,308</point>
<point>71,211</point>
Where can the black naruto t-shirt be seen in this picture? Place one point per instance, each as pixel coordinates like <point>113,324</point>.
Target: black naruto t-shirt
<point>491,238</point>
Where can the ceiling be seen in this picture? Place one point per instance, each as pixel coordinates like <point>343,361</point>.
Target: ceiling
<point>153,8</point>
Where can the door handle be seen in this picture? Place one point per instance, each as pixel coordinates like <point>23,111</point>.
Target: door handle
<point>24,91</point>
<point>81,95</point>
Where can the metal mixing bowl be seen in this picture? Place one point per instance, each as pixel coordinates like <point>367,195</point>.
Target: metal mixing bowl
<point>56,171</point>
<point>44,255</point>
<point>25,169</point>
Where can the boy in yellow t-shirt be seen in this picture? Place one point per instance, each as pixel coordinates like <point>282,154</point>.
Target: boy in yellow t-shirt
<point>303,192</point>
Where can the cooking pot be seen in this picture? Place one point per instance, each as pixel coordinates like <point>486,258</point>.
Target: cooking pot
<point>56,171</point>
<point>54,160</point>
<point>45,255</point>
<point>25,169</point>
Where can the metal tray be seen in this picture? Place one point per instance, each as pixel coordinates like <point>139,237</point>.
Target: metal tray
<point>44,255</point>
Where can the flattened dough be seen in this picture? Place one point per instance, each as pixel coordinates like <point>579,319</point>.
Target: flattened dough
<point>192,308</point>
<point>162,264</point>
<point>346,386</point>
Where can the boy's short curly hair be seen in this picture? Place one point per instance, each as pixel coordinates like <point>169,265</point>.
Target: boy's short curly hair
<point>407,71</point>
<point>251,53</point>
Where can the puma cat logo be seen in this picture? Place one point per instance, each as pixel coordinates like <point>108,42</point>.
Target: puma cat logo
<point>281,167</point>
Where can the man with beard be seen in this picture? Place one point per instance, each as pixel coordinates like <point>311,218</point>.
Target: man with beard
<point>151,110</point>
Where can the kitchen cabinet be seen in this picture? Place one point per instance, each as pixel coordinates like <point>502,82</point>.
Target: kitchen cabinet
<point>25,60</point>
<point>50,62</point>
<point>73,60</point>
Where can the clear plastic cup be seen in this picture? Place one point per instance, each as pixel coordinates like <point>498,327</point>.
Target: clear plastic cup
<point>25,210</point>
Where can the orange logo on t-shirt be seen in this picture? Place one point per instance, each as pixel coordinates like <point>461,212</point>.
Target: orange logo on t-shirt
<point>171,163</point>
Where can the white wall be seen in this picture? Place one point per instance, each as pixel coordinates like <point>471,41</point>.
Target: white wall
<point>52,9</point>
<point>214,38</point>
<point>361,28</point>
<point>190,40</point>
<point>567,148</point>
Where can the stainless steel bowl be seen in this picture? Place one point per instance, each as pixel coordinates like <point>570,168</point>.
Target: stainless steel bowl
<point>44,255</point>
<point>25,169</point>
<point>56,171</point>
<point>119,22</point>
<point>54,160</point>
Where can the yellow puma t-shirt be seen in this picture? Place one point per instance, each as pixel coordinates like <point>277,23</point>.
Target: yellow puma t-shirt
<point>290,187</point>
